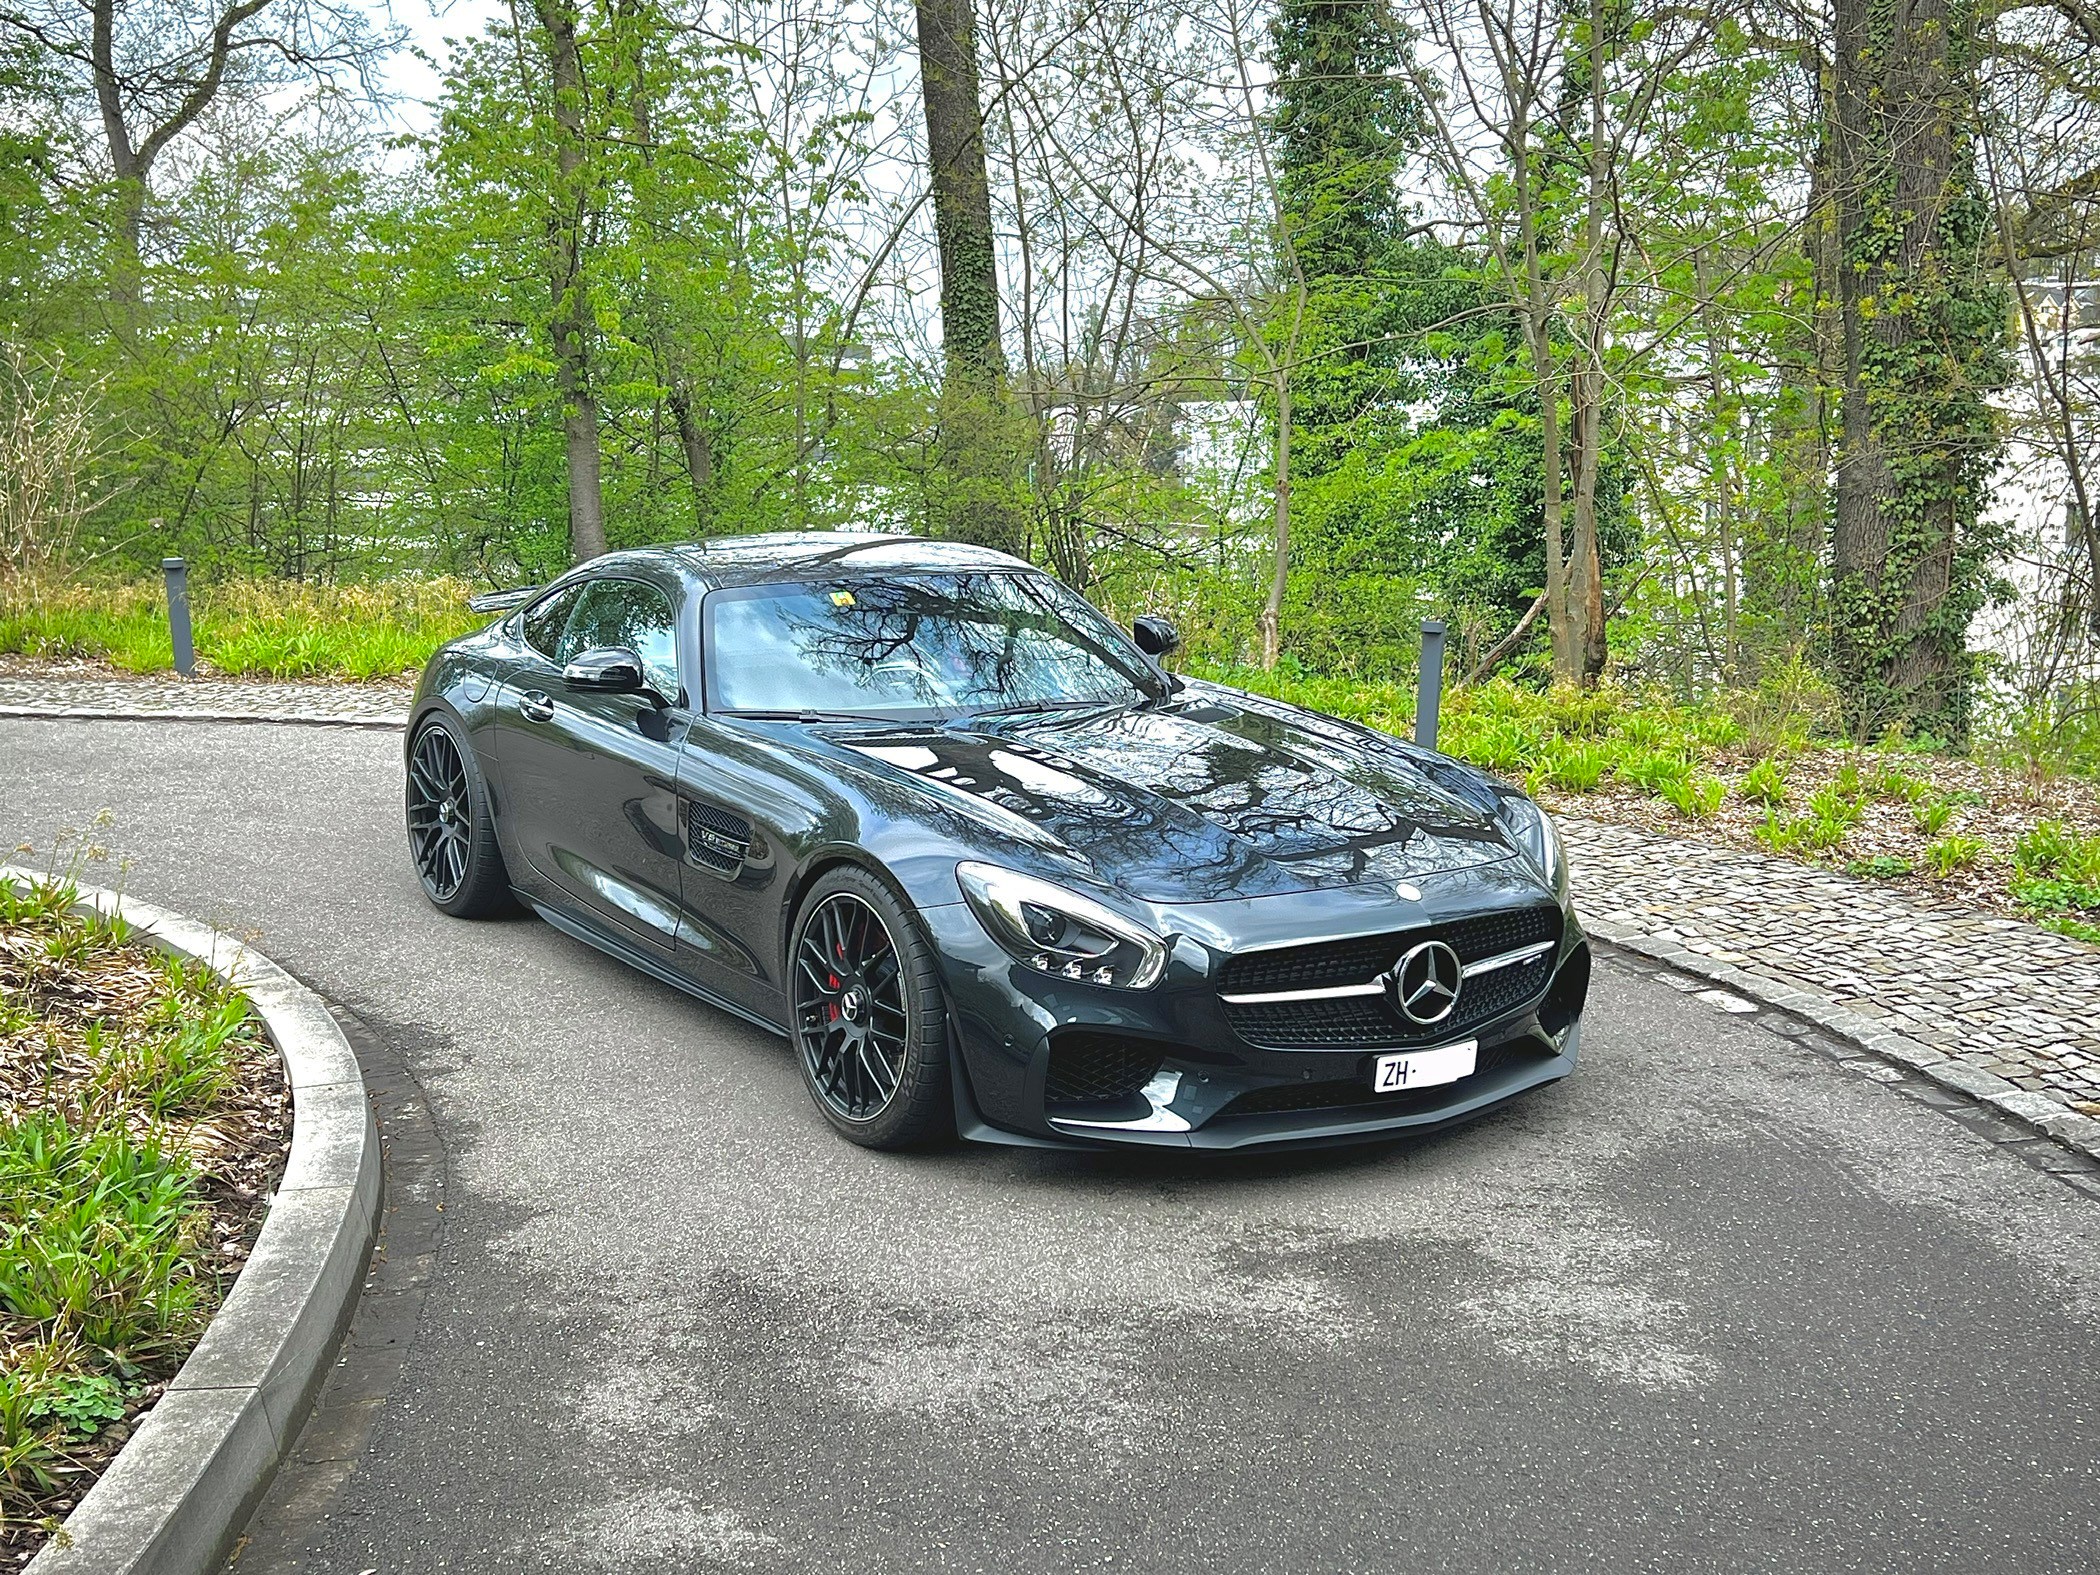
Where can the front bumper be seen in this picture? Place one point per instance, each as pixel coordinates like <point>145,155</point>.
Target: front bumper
<point>1211,1088</point>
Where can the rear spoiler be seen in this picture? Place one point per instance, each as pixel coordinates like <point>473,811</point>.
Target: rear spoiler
<point>502,601</point>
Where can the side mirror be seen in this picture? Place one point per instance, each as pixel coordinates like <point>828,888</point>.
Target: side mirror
<point>606,669</point>
<point>1156,636</point>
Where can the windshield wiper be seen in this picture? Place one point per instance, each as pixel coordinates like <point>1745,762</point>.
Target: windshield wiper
<point>804,715</point>
<point>1027,707</point>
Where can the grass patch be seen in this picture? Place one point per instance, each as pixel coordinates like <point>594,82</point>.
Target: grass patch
<point>141,1118</point>
<point>248,628</point>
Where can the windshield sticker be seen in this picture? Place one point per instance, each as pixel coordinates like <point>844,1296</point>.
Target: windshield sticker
<point>842,598</point>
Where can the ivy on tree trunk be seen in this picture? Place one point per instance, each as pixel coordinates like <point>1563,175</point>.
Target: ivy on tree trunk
<point>1924,332</point>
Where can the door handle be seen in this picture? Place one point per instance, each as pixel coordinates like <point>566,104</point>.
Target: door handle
<point>535,706</point>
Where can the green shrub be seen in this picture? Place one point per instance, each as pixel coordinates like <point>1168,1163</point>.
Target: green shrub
<point>1576,767</point>
<point>1898,786</point>
<point>1931,815</point>
<point>96,1232</point>
<point>1787,835</point>
<point>2043,847</point>
<point>1832,805</point>
<point>1764,783</point>
<point>1953,852</point>
<point>1694,797</point>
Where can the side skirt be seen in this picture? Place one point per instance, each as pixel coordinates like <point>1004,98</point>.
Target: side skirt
<point>579,930</point>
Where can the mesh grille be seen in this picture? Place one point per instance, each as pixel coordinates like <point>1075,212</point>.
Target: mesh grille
<point>717,838</point>
<point>1372,1020</point>
<point>1098,1066</point>
<point>1355,1093</point>
<point>1354,961</point>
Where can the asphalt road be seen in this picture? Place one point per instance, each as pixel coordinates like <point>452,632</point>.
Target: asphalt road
<point>1714,1303</point>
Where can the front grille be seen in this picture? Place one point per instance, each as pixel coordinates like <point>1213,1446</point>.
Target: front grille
<point>1353,961</point>
<point>1087,1067</point>
<point>1373,1020</point>
<point>1355,1093</point>
<point>718,839</point>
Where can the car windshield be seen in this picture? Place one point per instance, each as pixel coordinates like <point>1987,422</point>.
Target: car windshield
<point>914,644</point>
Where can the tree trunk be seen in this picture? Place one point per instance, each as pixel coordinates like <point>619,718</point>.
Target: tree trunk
<point>570,325</point>
<point>1921,340</point>
<point>962,195</point>
<point>699,452</point>
<point>1280,563</point>
<point>1586,384</point>
<point>976,488</point>
<point>1560,624</point>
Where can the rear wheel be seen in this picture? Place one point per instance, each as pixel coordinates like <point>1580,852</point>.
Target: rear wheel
<point>450,833</point>
<point>870,1024</point>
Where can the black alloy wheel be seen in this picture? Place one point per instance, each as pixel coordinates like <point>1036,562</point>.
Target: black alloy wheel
<point>849,1006</point>
<point>449,833</point>
<point>869,1018</point>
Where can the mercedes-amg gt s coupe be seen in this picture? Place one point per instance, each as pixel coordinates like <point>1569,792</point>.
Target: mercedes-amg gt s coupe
<point>988,865</point>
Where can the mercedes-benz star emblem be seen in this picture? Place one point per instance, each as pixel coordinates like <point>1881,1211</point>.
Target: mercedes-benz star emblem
<point>1426,982</point>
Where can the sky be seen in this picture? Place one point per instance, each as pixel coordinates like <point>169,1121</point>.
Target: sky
<point>406,78</point>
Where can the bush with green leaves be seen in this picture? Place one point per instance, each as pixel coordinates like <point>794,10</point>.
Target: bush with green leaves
<point>1764,783</point>
<point>1953,852</point>
<point>1694,797</point>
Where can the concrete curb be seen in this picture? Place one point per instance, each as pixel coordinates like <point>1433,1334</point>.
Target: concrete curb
<point>182,1488</point>
<point>2038,1112</point>
<point>49,713</point>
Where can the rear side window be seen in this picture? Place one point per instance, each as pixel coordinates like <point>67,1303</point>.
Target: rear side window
<point>629,613</point>
<point>545,619</point>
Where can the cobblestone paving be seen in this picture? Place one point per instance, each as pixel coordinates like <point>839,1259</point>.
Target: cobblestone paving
<point>1994,993</point>
<point>2000,995</point>
<point>204,697</point>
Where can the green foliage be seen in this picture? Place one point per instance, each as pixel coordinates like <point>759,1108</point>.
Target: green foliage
<point>1882,866</point>
<point>105,1269</point>
<point>1931,815</point>
<point>1897,786</point>
<point>1764,783</point>
<point>1788,835</point>
<point>1577,768</point>
<point>1953,852</point>
<point>1927,316</point>
<point>265,629</point>
<point>97,1235</point>
<point>1694,797</point>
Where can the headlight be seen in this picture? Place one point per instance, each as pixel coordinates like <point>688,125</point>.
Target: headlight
<point>1531,828</point>
<point>1059,932</point>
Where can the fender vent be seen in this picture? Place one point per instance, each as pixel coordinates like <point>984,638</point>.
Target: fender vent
<point>715,838</point>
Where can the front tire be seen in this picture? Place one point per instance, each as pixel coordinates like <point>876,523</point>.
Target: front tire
<point>451,833</point>
<point>870,1022</point>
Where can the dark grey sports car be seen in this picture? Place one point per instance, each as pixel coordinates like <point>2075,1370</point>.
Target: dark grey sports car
<point>990,867</point>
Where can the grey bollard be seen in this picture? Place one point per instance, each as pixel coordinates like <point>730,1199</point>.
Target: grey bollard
<point>1429,682</point>
<point>179,615</point>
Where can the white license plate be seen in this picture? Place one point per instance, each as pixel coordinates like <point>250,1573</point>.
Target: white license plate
<point>1393,1074</point>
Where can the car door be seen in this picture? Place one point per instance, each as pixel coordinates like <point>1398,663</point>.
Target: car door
<point>591,779</point>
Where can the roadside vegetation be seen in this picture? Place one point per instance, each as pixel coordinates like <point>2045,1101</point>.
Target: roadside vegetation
<point>142,1121</point>
<point>2013,824</point>
<point>253,628</point>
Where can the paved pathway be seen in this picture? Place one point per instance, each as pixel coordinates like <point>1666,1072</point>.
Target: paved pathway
<point>1731,1299</point>
<point>2002,996</point>
<point>1998,995</point>
<point>215,699</point>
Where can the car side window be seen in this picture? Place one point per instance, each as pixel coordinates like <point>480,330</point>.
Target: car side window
<point>629,613</point>
<point>545,619</point>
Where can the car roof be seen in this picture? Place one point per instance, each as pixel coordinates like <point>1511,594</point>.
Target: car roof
<point>794,555</point>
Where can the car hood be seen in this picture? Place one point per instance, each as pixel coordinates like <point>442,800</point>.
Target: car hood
<point>1210,796</point>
